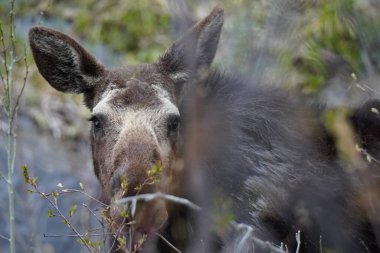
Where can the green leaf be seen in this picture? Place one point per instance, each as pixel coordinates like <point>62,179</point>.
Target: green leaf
<point>124,184</point>
<point>33,181</point>
<point>50,213</point>
<point>55,196</point>
<point>25,173</point>
<point>125,212</point>
<point>65,222</point>
<point>122,242</point>
<point>72,210</point>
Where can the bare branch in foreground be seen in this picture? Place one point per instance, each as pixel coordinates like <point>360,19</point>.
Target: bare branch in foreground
<point>158,195</point>
<point>78,235</point>
<point>298,239</point>
<point>257,242</point>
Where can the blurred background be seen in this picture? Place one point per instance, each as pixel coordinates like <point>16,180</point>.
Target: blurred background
<point>329,51</point>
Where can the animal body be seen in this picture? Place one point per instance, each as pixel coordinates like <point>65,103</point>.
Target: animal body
<point>224,142</point>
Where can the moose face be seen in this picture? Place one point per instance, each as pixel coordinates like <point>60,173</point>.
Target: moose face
<point>135,126</point>
<point>135,116</point>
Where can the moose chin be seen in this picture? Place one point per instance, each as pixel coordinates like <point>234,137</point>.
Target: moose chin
<point>232,146</point>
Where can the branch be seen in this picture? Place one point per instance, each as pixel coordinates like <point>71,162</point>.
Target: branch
<point>96,217</point>
<point>63,217</point>
<point>4,177</point>
<point>79,191</point>
<point>257,242</point>
<point>166,240</point>
<point>2,77</point>
<point>99,220</point>
<point>5,58</point>
<point>158,195</point>
<point>23,85</point>
<point>4,237</point>
<point>368,156</point>
<point>362,86</point>
<point>77,235</point>
<point>42,13</point>
<point>298,240</point>
<point>12,26</point>
<point>117,235</point>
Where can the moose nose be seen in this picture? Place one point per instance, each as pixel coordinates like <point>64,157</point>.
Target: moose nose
<point>131,169</point>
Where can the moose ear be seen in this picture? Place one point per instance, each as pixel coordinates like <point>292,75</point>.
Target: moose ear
<point>65,64</point>
<point>196,49</point>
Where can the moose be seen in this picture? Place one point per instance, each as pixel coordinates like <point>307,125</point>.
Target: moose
<point>232,146</point>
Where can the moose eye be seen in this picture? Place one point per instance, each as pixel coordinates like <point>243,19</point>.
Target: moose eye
<point>96,122</point>
<point>173,123</point>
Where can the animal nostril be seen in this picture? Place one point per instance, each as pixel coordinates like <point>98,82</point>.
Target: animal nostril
<point>156,156</point>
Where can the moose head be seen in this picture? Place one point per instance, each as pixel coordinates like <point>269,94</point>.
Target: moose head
<point>135,109</point>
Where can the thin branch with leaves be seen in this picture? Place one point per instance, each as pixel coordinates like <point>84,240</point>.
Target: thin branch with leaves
<point>10,100</point>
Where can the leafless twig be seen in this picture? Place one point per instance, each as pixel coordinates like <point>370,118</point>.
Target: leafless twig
<point>166,240</point>
<point>15,108</point>
<point>64,191</point>
<point>57,209</point>
<point>158,195</point>
<point>298,240</point>
<point>368,156</point>
<point>257,242</point>
<point>4,237</point>
<point>77,235</point>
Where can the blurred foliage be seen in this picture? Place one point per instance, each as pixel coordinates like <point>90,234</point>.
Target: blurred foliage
<point>311,39</point>
<point>304,43</point>
<point>139,29</point>
<point>301,44</point>
<point>335,32</point>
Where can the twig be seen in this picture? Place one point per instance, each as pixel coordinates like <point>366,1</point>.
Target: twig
<point>364,245</point>
<point>246,236</point>
<point>12,26</point>
<point>298,239</point>
<point>117,235</point>
<point>15,108</point>
<point>2,77</point>
<point>96,217</point>
<point>86,194</point>
<point>4,177</point>
<point>4,237</point>
<point>166,240</point>
<point>43,12</point>
<point>365,86</point>
<point>79,191</point>
<point>100,221</point>
<point>55,206</point>
<point>368,155</point>
<point>77,235</point>
<point>5,58</point>
<point>157,195</point>
<point>260,243</point>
